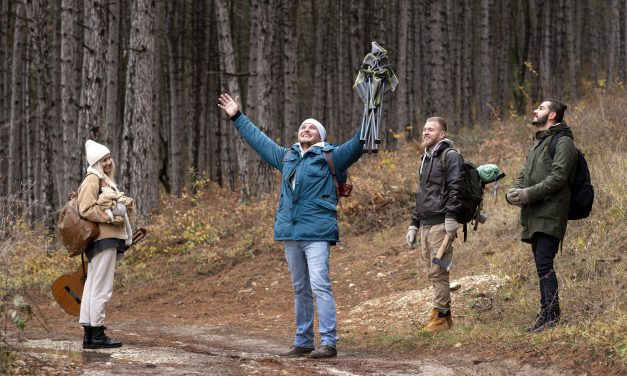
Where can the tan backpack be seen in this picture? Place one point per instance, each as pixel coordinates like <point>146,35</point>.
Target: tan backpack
<point>76,232</point>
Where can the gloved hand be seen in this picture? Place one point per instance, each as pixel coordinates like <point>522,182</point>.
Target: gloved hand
<point>512,197</point>
<point>119,209</point>
<point>523,196</point>
<point>410,238</point>
<point>450,226</point>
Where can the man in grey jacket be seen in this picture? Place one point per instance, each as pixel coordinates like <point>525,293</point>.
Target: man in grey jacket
<point>437,205</point>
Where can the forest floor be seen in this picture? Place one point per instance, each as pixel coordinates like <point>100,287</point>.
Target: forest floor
<point>239,320</point>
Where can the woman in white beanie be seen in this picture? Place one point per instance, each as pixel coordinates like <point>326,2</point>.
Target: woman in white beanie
<point>103,251</point>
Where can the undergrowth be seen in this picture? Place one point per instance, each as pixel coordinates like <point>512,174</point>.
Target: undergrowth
<point>212,230</point>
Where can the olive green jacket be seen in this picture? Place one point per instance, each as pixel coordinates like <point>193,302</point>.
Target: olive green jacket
<point>548,181</point>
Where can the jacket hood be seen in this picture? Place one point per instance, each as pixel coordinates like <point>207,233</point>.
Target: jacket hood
<point>560,127</point>
<point>437,149</point>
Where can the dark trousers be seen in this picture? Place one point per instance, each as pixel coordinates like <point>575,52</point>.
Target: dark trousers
<point>544,249</point>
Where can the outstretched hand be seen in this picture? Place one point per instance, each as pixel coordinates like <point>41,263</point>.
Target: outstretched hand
<point>230,106</point>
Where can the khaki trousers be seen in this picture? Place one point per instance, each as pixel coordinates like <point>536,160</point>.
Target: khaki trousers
<point>431,239</point>
<point>98,287</point>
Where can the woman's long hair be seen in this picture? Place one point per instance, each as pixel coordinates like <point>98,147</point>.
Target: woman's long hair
<point>107,178</point>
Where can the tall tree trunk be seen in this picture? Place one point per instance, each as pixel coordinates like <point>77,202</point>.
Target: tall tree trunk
<point>571,56</point>
<point>5,91</point>
<point>228,70</point>
<point>466,66</point>
<point>485,105</point>
<point>112,121</point>
<point>17,114</point>
<point>177,129</point>
<point>36,12</point>
<point>72,146</point>
<point>139,148</point>
<point>290,70</point>
<point>259,90</point>
<point>438,62</point>
<point>613,47</point>
<point>91,112</point>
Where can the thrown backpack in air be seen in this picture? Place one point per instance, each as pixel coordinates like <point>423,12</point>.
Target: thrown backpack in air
<point>581,189</point>
<point>76,232</point>
<point>472,191</point>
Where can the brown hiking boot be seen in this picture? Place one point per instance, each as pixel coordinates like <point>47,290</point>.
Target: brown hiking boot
<point>298,351</point>
<point>438,322</point>
<point>449,318</point>
<point>324,351</point>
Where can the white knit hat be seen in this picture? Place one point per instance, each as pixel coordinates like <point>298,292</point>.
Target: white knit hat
<point>321,130</point>
<point>95,151</point>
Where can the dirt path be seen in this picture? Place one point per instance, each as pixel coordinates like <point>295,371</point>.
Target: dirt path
<point>170,349</point>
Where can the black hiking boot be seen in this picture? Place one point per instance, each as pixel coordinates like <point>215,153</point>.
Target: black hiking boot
<point>324,351</point>
<point>544,321</point>
<point>87,336</point>
<point>100,341</point>
<point>298,351</point>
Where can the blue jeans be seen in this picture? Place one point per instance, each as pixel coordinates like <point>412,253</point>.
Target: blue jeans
<point>309,265</point>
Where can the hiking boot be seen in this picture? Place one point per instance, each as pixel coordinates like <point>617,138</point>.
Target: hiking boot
<point>298,351</point>
<point>449,318</point>
<point>100,341</point>
<point>87,336</point>
<point>324,351</point>
<point>544,322</point>
<point>438,322</point>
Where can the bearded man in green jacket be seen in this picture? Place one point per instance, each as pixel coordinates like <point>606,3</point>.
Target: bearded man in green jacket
<point>542,191</point>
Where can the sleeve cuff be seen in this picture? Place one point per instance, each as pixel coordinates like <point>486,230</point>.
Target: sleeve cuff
<point>234,117</point>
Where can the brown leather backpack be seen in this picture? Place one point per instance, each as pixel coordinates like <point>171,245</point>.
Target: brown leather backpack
<point>76,232</point>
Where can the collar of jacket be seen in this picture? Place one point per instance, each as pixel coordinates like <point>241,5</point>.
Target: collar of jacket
<point>91,170</point>
<point>315,148</point>
<point>560,127</point>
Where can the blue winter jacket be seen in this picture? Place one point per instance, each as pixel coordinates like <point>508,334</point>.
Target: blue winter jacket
<point>307,212</point>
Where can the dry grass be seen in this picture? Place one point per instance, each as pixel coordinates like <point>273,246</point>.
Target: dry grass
<point>212,231</point>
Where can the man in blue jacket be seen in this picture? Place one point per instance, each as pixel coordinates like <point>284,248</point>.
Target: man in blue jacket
<point>306,219</point>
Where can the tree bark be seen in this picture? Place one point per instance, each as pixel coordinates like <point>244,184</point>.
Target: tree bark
<point>290,70</point>
<point>46,168</point>
<point>139,148</point>
<point>259,90</point>
<point>17,113</point>
<point>72,146</point>
<point>228,70</point>
<point>485,105</point>
<point>91,112</point>
<point>112,121</point>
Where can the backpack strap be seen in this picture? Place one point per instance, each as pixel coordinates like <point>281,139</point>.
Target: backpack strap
<point>443,165</point>
<point>553,144</point>
<point>329,158</point>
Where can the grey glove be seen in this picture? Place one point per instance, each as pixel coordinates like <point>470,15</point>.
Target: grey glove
<point>450,226</point>
<point>523,196</point>
<point>518,196</point>
<point>512,197</point>
<point>410,238</point>
<point>119,209</point>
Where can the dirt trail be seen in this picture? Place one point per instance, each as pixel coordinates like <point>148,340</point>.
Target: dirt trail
<point>169,349</point>
<point>191,321</point>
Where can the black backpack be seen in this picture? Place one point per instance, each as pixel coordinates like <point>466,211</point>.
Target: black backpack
<point>581,189</point>
<point>472,192</point>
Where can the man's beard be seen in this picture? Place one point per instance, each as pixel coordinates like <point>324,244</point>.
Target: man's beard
<point>541,121</point>
<point>427,144</point>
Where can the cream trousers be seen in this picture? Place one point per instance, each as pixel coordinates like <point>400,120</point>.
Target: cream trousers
<point>98,287</point>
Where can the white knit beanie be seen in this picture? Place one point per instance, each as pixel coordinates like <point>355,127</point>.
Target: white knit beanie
<point>321,130</point>
<point>94,152</point>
